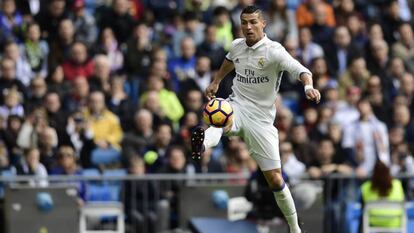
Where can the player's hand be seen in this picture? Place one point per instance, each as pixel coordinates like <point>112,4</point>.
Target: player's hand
<point>314,95</point>
<point>211,90</point>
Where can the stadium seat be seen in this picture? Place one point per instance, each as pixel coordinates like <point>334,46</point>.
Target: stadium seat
<point>410,216</point>
<point>105,156</point>
<point>90,172</point>
<point>114,186</point>
<point>353,214</point>
<point>5,174</point>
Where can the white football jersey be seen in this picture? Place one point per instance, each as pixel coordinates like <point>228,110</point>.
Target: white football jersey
<point>259,71</point>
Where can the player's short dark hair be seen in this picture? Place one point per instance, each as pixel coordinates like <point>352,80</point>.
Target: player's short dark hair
<point>251,9</point>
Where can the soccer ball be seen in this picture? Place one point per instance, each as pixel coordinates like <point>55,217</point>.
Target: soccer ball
<point>218,112</point>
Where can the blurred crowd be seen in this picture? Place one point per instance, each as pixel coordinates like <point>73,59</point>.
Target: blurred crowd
<point>119,84</point>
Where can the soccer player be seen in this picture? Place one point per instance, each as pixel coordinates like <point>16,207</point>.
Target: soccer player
<point>259,63</point>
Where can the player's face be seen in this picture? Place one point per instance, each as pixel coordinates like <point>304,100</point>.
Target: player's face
<point>252,26</point>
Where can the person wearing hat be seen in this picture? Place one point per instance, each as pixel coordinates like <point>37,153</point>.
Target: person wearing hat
<point>85,26</point>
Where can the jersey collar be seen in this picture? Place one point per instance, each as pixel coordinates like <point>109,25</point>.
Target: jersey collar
<point>260,42</point>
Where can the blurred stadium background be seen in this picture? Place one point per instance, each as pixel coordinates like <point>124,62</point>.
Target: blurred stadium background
<point>98,99</point>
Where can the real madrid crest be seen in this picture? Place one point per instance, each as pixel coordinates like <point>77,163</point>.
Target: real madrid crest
<point>261,62</point>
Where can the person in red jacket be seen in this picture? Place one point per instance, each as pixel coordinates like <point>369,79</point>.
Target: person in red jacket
<point>79,64</point>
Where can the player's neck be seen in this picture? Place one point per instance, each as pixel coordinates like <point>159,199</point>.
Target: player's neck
<point>253,42</point>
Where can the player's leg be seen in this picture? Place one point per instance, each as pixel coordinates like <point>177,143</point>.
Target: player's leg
<point>283,198</point>
<point>263,141</point>
<point>204,139</point>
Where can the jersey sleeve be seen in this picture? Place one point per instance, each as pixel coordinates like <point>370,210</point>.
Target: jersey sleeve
<point>285,62</point>
<point>234,43</point>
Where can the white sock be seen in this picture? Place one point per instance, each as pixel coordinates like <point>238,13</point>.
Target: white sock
<point>287,206</point>
<point>212,136</point>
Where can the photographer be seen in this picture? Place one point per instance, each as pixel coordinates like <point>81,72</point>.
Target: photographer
<point>80,135</point>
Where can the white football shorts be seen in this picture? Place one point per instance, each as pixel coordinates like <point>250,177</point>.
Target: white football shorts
<point>261,138</point>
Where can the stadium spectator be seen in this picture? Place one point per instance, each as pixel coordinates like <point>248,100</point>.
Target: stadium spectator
<point>12,104</point>
<point>211,48</point>
<point>305,14</point>
<point>381,105</point>
<point>396,70</point>
<point>47,145</point>
<point>60,46</point>
<point>402,117</point>
<point>31,165</point>
<point>108,45</point>
<point>208,164</point>
<point>106,130</point>
<point>84,23</point>
<point>240,162</point>
<point>365,140</point>
<point>193,102</point>
<point>28,8</point>
<point>320,73</point>
<point>402,161</point>
<point>224,33</point>
<point>341,51</point>
<point>9,134</point>
<point>119,20</point>
<point>79,63</point>
<point>176,164</point>
<point>35,50</point>
<point>11,21</point>
<point>347,112</point>
<point>357,30</point>
<point>192,28</point>
<point>80,136</point>
<point>321,30</point>
<point>35,124</point>
<point>380,59</point>
<point>326,162</point>
<point>5,164</point>
<point>66,165</point>
<point>100,79</point>
<point>356,75</point>
<point>37,91</point>
<point>23,70</point>
<point>56,81</point>
<point>390,20</point>
<point>162,142</point>
<point>118,101</point>
<point>404,47</point>
<point>293,168</point>
<point>308,50</point>
<point>343,10</point>
<point>138,52</point>
<point>56,115</point>
<point>50,17</point>
<point>8,78</point>
<point>77,97</point>
<point>407,89</point>
<point>183,67</point>
<point>303,147</point>
<point>141,207</point>
<point>281,21</point>
<point>140,136</point>
<point>236,11</point>
<point>284,122</point>
<point>169,104</point>
<point>331,96</point>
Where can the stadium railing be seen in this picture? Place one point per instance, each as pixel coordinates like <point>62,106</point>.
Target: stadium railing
<point>157,202</point>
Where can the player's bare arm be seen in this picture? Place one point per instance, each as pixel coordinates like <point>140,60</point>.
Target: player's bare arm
<point>310,92</point>
<point>225,68</point>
